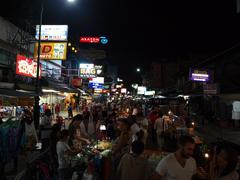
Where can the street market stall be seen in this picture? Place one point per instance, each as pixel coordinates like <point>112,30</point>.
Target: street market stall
<point>93,161</point>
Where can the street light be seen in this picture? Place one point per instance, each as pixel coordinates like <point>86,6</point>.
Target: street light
<point>138,70</point>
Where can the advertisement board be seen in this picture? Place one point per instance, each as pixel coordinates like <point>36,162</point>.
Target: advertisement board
<point>51,51</point>
<point>149,93</point>
<point>27,67</point>
<point>199,75</point>
<point>87,39</point>
<point>87,71</point>
<point>99,80</point>
<point>95,86</point>
<point>52,32</point>
<point>96,40</point>
<point>141,90</point>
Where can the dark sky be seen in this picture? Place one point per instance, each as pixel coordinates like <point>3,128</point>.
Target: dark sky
<point>141,31</point>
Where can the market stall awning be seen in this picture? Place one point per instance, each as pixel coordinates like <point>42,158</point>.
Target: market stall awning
<point>16,93</point>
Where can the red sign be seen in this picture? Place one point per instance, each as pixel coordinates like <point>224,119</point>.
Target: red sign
<point>105,91</point>
<point>77,82</point>
<point>89,39</point>
<point>27,67</point>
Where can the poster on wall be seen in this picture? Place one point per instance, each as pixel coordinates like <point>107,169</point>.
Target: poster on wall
<point>51,51</point>
<point>27,67</point>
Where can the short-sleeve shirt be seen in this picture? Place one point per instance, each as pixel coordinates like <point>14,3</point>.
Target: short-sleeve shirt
<point>132,167</point>
<point>62,147</point>
<point>170,168</point>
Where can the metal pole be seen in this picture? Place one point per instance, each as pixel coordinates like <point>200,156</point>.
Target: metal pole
<point>37,108</point>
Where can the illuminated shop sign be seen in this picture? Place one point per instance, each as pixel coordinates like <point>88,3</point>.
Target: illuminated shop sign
<point>51,51</point>
<point>149,93</point>
<point>95,86</point>
<point>200,75</point>
<point>99,80</point>
<point>27,67</point>
<point>90,40</point>
<point>52,32</point>
<point>87,70</point>
<point>141,90</point>
<point>94,40</point>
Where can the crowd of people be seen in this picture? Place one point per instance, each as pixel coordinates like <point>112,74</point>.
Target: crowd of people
<point>130,127</point>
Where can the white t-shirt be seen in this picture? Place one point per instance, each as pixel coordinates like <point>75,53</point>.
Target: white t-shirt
<point>134,129</point>
<point>159,125</point>
<point>30,130</point>
<point>135,111</point>
<point>62,147</point>
<point>170,168</point>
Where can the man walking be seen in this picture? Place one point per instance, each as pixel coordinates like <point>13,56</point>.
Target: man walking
<point>179,165</point>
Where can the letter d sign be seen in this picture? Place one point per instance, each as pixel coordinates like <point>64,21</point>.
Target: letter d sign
<point>46,49</point>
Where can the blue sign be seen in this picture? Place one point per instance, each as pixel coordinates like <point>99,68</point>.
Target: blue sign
<point>104,40</point>
<point>95,85</point>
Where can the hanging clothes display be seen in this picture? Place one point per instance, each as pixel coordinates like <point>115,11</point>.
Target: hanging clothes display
<point>11,140</point>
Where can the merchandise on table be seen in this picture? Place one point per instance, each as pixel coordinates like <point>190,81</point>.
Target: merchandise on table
<point>103,145</point>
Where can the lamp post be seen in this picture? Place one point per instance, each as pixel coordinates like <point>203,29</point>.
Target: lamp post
<point>37,87</point>
<point>36,107</point>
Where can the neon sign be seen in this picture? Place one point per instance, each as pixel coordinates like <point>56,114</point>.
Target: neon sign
<point>90,40</point>
<point>27,67</point>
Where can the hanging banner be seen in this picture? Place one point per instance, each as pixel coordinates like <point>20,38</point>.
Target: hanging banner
<point>27,67</point>
<point>51,51</point>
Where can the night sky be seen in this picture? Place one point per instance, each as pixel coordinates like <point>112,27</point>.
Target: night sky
<point>140,31</point>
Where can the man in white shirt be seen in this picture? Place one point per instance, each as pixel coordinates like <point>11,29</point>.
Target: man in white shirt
<point>159,128</point>
<point>179,165</point>
<point>135,111</point>
<point>63,151</point>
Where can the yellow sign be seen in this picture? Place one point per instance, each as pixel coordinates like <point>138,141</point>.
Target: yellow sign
<point>51,51</point>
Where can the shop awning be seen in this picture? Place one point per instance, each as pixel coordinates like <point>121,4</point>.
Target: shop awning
<point>16,93</point>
